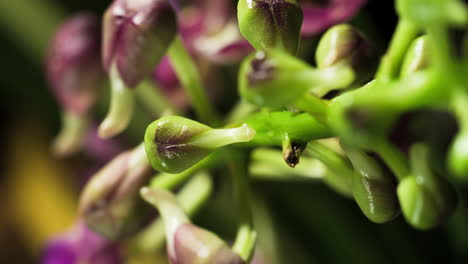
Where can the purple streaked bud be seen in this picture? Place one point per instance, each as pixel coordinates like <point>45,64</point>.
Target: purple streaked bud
<point>136,36</point>
<point>268,24</point>
<point>320,15</point>
<point>75,76</point>
<point>81,245</point>
<point>73,67</point>
<point>110,202</point>
<point>187,243</point>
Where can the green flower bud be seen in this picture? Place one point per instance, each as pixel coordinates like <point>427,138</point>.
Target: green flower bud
<point>187,243</point>
<point>417,57</point>
<point>458,156</point>
<point>344,44</point>
<point>110,202</point>
<point>276,79</point>
<point>268,24</point>
<point>374,189</point>
<point>174,144</point>
<point>426,200</point>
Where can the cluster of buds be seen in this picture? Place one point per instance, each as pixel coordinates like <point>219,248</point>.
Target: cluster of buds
<point>333,118</point>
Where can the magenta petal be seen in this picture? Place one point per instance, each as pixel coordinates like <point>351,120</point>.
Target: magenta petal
<point>81,245</point>
<point>59,252</point>
<point>232,53</point>
<point>320,17</point>
<point>165,75</point>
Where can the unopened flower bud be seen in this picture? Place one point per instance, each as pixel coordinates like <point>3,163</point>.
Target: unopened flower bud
<point>136,36</point>
<point>417,57</point>
<point>187,243</point>
<point>75,76</point>
<point>458,156</point>
<point>277,79</point>
<point>344,44</point>
<point>110,203</point>
<point>268,24</point>
<point>174,144</point>
<point>426,200</point>
<point>374,189</point>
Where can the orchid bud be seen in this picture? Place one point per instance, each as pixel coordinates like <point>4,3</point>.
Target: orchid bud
<point>81,245</point>
<point>426,200</point>
<point>136,36</point>
<point>276,79</point>
<point>110,202</point>
<point>268,24</point>
<point>320,15</point>
<point>187,243</point>
<point>344,44</point>
<point>374,188</point>
<point>458,156</point>
<point>417,57</point>
<point>174,144</point>
<point>75,77</point>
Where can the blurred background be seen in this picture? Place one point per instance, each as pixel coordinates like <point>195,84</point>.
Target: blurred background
<point>38,194</point>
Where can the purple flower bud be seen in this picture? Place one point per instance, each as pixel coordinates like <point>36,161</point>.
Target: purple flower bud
<point>193,244</point>
<point>73,67</point>
<point>75,76</point>
<point>81,245</point>
<point>187,243</point>
<point>110,202</point>
<point>319,16</point>
<point>136,36</point>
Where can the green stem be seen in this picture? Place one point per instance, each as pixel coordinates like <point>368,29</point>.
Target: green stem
<point>191,80</point>
<point>71,136</point>
<point>404,34</point>
<point>267,164</point>
<point>240,112</point>
<point>244,244</point>
<point>153,99</point>
<point>270,128</point>
<point>337,164</point>
<point>442,52</point>
<point>394,158</point>
<point>191,198</point>
<point>313,105</point>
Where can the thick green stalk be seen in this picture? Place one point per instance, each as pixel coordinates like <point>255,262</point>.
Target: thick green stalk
<point>394,158</point>
<point>191,81</point>
<point>153,99</point>
<point>337,164</point>
<point>271,127</point>
<point>404,34</point>
<point>244,244</point>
